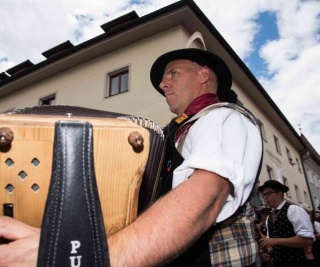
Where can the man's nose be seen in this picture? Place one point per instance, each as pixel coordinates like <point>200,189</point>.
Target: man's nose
<point>163,85</point>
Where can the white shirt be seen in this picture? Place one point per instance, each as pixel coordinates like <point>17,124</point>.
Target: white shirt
<point>300,220</point>
<point>316,227</point>
<point>227,143</point>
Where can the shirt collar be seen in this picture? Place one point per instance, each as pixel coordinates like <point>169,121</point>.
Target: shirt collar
<point>281,205</point>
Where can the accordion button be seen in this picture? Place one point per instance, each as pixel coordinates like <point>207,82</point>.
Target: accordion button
<point>135,139</point>
<point>6,136</point>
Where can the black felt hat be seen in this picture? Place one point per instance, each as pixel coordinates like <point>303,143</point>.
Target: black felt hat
<point>274,184</point>
<point>203,58</point>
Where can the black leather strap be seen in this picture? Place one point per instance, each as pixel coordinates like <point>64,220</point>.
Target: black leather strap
<point>73,232</point>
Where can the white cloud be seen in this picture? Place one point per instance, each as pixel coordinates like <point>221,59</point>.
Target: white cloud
<point>292,60</point>
<point>238,28</point>
<point>293,63</point>
<point>30,27</point>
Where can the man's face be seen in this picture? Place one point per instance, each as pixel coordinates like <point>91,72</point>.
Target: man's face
<point>180,84</point>
<point>271,197</point>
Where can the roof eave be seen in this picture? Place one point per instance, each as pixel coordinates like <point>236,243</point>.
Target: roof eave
<point>185,13</point>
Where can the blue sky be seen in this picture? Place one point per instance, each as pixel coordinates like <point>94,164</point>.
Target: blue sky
<point>279,41</point>
<point>267,31</point>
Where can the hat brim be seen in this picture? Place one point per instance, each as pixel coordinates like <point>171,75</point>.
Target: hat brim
<point>202,57</point>
<point>274,184</point>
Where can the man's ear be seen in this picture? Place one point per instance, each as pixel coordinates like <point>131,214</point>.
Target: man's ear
<point>204,75</point>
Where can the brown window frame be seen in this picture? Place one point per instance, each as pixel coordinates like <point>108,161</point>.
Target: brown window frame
<point>286,183</point>
<point>119,74</point>
<point>47,100</point>
<point>277,145</point>
<point>296,189</point>
<point>270,173</point>
<point>263,132</point>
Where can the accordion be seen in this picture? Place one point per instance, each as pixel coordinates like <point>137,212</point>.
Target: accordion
<point>120,153</point>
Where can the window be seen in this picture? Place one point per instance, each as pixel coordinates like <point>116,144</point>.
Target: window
<point>288,154</point>
<point>285,181</point>
<point>263,133</point>
<point>309,175</point>
<point>290,159</point>
<point>118,82</point>
<point>270,173</point>
<point>297,193</point>
<point>277,144</point>
<point>298,165</point>
<point>306,199</point>
<point>48,100</point>
<point>315,179</point>
<point>316,202</point>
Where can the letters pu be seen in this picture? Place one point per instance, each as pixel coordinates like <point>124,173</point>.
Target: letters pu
<point>75,261</point>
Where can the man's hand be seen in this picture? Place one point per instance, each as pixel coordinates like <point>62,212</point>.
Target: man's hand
<point>266,243</point>
<point>292,242</point>
<point>266,254</point>
<point>22,251</point>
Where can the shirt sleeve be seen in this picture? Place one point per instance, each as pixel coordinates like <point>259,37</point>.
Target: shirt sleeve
<point>317,227</point>
<point>227,143</point>
<point>301,222</point>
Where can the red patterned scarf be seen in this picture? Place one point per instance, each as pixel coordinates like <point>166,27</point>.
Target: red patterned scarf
<point>201,102</point>
<point>195,106</point>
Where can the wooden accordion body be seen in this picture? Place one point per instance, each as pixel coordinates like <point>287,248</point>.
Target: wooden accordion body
<point>26,166</point>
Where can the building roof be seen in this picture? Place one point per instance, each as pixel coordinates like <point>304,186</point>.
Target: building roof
<point>131,28</point>
<point>310,149</point>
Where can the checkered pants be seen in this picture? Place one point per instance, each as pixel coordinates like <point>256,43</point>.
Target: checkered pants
<point>234,245</point>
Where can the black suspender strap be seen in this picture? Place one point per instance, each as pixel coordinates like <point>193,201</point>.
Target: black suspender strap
<point>73,232</point>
